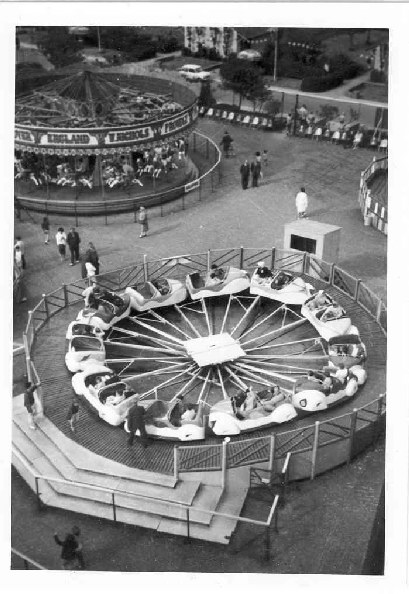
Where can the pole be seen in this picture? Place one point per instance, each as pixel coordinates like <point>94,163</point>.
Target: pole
<point>241,256</point>
<point>352,434</point>
<point>37,494</point>
<point>275,54</point>
<point>188,524</point>
<point>267,544</point>
<point>224,461</point>
<point>273,257</point>
<point>176,463</point>
<point>113,506</point>
<point>295,114</point>
<point>271,456</point>
<point>315,449</point>
<point>27,351</point>
<point>99,39</point>
<point>145,268</point>
<point>358,282</point>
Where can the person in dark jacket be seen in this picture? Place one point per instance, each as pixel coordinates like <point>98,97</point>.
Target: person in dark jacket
<point>73,240</point>
<point>91,255</point>
<point>255,169</point>
<point>245,174</point>
<point>30,404</point>
<point>71,551</point>
<point>226,142</point>
<point>45,226</point>
<point>136,420</point>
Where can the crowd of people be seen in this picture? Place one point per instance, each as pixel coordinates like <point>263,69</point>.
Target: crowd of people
<point>116,170</point>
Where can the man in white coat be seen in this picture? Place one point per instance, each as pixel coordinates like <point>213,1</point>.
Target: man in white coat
<point>301,202</point>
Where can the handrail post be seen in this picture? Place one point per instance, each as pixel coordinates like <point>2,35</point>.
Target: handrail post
<point>271,455</point>
<point>226,440</point>
<point>304,262</point>
<point>28,358</point>
<point>315,449</point>
<point>273,257</point>
<point>357,284</point>
<point>241,256</point>
<point>113,505</point>
<point>187,524</point>
<point>352,429</point>
<point>64,288</point>
<point>39,505</point>
<point>209,259</point>
<point>176,463</point>
<point>145,268</point>
<point>331,274</point>
<point>44,296</point>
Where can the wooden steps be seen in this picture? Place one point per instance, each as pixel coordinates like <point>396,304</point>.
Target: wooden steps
<point>142,498</point>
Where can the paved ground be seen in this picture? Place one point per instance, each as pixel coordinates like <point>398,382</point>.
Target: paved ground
<point>232,217</point>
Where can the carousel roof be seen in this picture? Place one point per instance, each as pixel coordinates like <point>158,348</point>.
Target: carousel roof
<point>87,99</point>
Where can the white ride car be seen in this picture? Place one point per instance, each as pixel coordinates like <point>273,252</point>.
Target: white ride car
<point>223,280</point>
<point>157,293</point>
<point>281,286</point>
<point>110,400</point>
<point>194,72</point>
<point>329,318</point>
<point>82,350</point>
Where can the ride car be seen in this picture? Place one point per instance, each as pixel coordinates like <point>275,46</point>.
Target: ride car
<point>347,349</point>
<point>194,72</point>
<point>106,309</point>
<point>110,398</point>
<point>225,420</point>
<point>156,293</point>
<point>160,424</point>
<point>83,349</point>
<point>327,316</point>
<point>224,280</point>
<point>281,286</point>
<point>77,328</point>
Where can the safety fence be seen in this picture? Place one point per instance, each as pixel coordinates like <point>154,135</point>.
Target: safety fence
<point>236,453</point>
<point>375,212</point>
<point>207,175</point>
<point>120,505</point>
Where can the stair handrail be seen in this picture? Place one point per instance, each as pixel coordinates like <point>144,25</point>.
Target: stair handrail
<point>27,560</point>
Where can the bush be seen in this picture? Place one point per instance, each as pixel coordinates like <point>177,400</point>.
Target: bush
<point>186,51</point>
<point>321,83</point>
<point>206,98</point>
<point>377,76</point>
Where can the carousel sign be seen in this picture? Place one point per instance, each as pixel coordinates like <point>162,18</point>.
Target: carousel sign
<point>68,139</point>
<point>116,137</point>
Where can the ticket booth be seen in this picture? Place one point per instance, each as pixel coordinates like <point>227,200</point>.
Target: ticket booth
<point>313,237</point>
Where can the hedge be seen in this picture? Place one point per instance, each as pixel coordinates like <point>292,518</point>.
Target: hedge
<point>321,83</point>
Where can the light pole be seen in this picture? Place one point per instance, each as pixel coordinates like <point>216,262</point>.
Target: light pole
<point>99,40</point>
<point>275,54</point>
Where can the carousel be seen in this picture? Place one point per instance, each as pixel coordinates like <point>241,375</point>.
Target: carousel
<point>99,135</point>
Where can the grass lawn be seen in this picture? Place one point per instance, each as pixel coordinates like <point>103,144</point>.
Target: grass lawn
<point>371,92</point>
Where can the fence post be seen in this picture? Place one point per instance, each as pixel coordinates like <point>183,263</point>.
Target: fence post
<point>188,524</point>
<point>352,434</point>
<point>304,262</point>
<point>331,274</point>
<point>194,142</point>
<point>39,504</point>
<point>315,449</point>
<point>176,463</point>
<point>271,456</point>
<point>273,257</point>
<point>241,256</point>
<point>27,352</point>
<point>64,288</point>
<point>209,259</point>
<point>44,296</point>
<point>267,544</point>
<point>358,282</point>
<point>113,505</point>
<point>224,461</point>
<point>145,268</point>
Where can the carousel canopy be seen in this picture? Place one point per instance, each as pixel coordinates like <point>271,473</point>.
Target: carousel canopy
<point>87,99</point>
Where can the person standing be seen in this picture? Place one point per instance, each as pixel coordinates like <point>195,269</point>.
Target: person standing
<point>255,169</point>
<point>30,404</point>
<point>245,174</point>
<point>136,420</point>
<point>301,202</point>
<point>71,550</point>
<point>226,142</point>
<point>73,414</point>
<point>61,240</point>
<point>91,256</point>
<point>45,226</point>
<point>73,240</point>
<point>20,243</point>
<point>143,221</point>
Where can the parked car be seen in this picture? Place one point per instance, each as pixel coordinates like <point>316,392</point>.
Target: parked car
<point>194,72</point>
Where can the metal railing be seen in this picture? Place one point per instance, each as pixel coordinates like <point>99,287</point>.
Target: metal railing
<point>225,455</point>
<point>112,495</point>
<point>28,563</point>
<point>204,183</point>
<point>376,212</point>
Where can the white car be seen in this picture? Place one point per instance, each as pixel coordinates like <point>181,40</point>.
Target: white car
<point>223,280</point>
<point>194,72</point>
<point>77,328</point>
<point>157,293</point>
<point>158,422</point>
<point>281,286</point>
<point>108,308</point>
<point>91,383</point>
<point>83,350</point>
<point>327,316</point>
<point>309,396</point>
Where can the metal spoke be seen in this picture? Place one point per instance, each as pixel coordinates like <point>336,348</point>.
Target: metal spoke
<point>161,332</point>
<point>225,396</point>
<point>146,347</point>
<point>145,337</point>
<point>226,313</point>
<point>188,322</point>
<point>165,321</point>
<point>204,308</point>
<point>276,331</point>
<point>262,321</point>
<point>246,314</point>
<point>264,372</point>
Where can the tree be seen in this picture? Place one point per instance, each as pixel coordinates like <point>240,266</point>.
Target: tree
<point>206,98</point>
<point>59,46</point>
<point>243,78</point>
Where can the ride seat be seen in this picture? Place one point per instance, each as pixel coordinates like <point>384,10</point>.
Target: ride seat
<point>196,280</point>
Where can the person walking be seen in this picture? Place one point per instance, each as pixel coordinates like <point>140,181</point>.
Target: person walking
<point>20,244</point>
<point>301,202</point>
<point>226,143</point>
<point>45,226</point>
<point>255,169</point>
<point>73,240</point>
<point>71,550</point>
<point>61,240</point>
<point>30,404</point>
<point>245,174</point>
<point>143,221</point>
<point>73,414</point>
<point>136,420</point>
